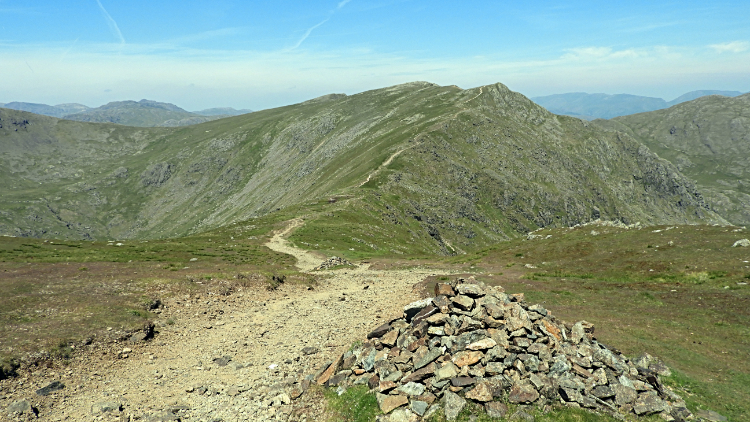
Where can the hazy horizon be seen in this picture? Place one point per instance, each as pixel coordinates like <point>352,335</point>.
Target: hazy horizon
<point>201,55</point>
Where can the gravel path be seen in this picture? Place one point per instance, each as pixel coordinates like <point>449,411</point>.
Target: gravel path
<point>226,358</point>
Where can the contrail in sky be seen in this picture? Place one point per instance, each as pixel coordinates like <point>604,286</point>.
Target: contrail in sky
<point>341,4</point>
<point>307,34</point>
<point>112,24</point>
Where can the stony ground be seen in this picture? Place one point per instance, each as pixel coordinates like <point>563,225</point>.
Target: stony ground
<point>224,358</point>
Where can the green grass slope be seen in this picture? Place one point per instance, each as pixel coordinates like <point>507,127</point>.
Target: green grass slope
<point>416,168</point>
<point>708,139</point>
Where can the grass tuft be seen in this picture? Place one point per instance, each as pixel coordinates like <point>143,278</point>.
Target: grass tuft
<point>356,404</point>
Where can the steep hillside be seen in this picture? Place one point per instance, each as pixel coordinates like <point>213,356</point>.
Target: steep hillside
<point>434,169</point>
<point>144,113</point>
<point>708,139</point>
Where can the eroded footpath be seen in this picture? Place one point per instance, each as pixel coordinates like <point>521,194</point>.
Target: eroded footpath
<point>231,358</point>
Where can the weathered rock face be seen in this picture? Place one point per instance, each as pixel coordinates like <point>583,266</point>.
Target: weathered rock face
<point>499,347</point>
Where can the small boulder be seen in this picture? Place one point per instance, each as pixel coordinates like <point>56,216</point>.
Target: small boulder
<point>412,389</point>
<point>413,308</point>
<point>523,393</point>
<point>444,289</point>
<point>481,393</point>
<point>742,242</point>
<point>50,388</point>
<point>389,403</point>
<point>463,302</point>
<point>496,409</point>
<point>21,407</point>
<point>418,407</point>
<point>105,407</point>
<point>380,331</point>
<point>453,405</point>
<point>471,290</point>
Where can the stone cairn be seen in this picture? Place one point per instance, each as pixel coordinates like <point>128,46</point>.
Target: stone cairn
<point>332,263</point>
<point>474,342</point>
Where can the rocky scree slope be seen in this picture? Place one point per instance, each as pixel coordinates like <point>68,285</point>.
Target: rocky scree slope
<point>473,342</point>
<point>708,140</point>
<point>446,167</point>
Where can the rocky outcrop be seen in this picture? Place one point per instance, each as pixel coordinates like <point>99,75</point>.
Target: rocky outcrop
<point>333,262</point>
<point>473,342</point>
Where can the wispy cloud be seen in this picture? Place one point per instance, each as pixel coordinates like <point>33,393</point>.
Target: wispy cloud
<point>731,47</point>
<point>193,77</point>
<point>112,24</point>
<point>600,53</point>
<point>307,33</point>
<point>587,53</point>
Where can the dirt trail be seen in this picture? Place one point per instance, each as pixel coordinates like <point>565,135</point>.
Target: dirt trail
<point>261,332</point>
<point>306,260</point>
<point>396,154</point>
<point>385,163</point>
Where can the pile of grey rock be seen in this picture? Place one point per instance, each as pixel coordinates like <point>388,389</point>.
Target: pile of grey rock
<point>473,342</point>
<point>333,262</point>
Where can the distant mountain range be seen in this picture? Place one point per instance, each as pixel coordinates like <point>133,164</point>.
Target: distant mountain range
<point>605,106</point>
<point>144,113</point>
<point>59,110</point>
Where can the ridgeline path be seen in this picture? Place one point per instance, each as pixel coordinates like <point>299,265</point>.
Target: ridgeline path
<point>184,371</point>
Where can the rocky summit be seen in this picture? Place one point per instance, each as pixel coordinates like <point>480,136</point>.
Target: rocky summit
<point>474,343</point>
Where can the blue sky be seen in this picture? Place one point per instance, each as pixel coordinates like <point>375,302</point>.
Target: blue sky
<point>262,54</point>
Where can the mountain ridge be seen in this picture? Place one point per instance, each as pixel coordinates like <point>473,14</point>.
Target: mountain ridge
<point>450,169</point>
<point>143,113</point>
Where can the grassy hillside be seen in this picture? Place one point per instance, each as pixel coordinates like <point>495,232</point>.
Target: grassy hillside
<point>441,169</point>
<point>708,139</point>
